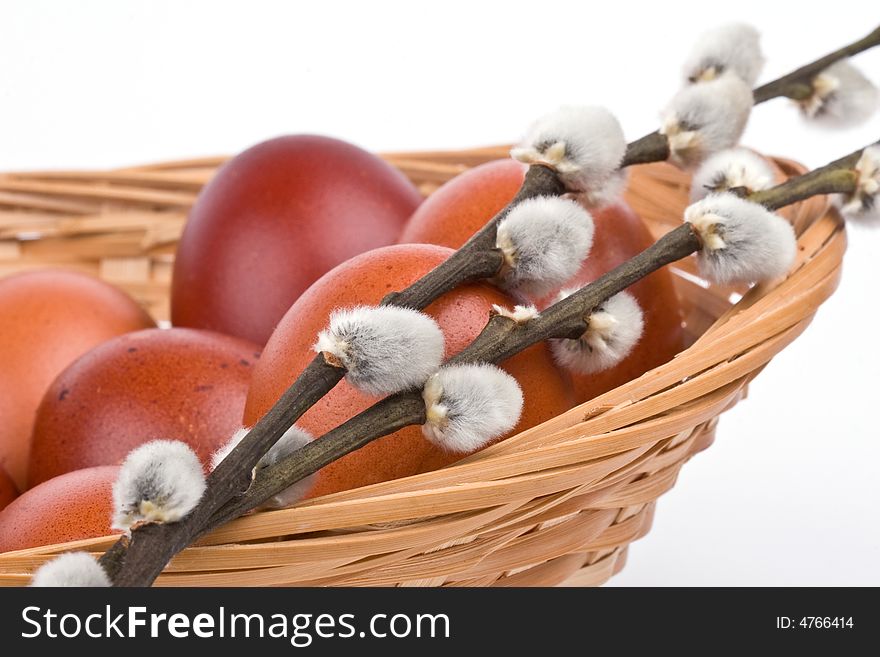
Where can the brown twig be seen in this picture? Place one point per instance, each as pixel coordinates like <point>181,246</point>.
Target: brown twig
<point>653,147</point>
<point>500,339</point>
<point>476,259</point>
<point>152,545</point>
<point>503,337</point>
<point>836,177</point>
<point>797,85</point>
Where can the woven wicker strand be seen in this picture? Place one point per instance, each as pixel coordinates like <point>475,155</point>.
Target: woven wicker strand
<point>557,504</point>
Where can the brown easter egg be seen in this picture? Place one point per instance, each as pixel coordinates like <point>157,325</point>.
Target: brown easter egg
<point>620,234</point>
<point>47,320</point>
<point>272,221</point>
<point>461,314</point>
<point>69,507</point>
<point>177,384</point>
<point>8,490</point>
<point>462,206</point>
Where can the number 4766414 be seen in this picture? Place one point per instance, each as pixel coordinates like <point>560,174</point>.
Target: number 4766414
<point>814,622</point>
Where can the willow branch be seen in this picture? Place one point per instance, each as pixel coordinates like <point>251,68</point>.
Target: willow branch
<point>503,338</point>
<point>797,85</point>
<point>152,546</point>
<point>838,177</point>
<point>383,418</point>
<point>653,147</point>
<point>478,258</point>
<point>131,562</point>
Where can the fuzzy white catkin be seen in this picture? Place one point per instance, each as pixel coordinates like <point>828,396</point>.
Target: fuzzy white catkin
<point>734,47</point>
<point>160,481</point>
<point>222,452</point>
<point>611,192</point>
<point>468,406</point>
<point>384,349</point>
<point>544,241</point>
<point>614,328</point>
<point>742,241</point>
<point>290,441</point>
<point>727,169</point>
<point>842,97</point>
<point>584,144</point>
<point>73,569</point>
<point>705,118</point>
<point>863,205</point>
<point>519,314</point>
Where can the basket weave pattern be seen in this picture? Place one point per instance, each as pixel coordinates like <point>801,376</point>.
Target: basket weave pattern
<point>557,504</point>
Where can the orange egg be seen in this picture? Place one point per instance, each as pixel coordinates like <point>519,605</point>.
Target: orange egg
<point>453,213</point>
<point>8,491</point>
<point>461,314</point>
<point>177,384</point>
<point>463,205</point>
<point>70,507</point>
<point>49,319</point>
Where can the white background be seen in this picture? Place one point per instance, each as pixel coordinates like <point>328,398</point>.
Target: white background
<point>788,494</point>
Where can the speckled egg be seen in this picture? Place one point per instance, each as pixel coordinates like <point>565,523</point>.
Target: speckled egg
<point>70,507</point>
<point>461,314</point>
<point>463,206</point>
<point>47,320</point>
<point>177,384</point>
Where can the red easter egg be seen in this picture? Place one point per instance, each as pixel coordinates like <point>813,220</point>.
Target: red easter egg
<point>69,507</point>
<point>461,314</point>
<point>8,490</point>
<point>177,384</point>
<point>463,205</point>
<point>49,319</point>
<point>272,221</point>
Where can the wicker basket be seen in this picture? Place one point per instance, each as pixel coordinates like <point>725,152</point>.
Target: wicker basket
<point>557,504</point>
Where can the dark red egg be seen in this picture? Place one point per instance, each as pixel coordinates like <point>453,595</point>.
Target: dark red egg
<point>272,221</point>
<point>8,490</point>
